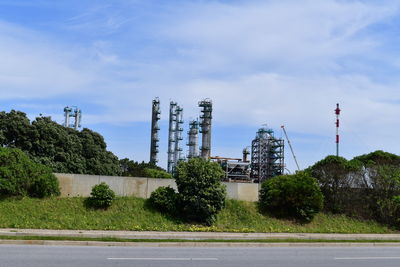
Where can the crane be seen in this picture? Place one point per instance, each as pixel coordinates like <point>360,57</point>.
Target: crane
<point>290,145</point>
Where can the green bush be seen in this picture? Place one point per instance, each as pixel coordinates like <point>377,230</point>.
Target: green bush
<point>101,196</point>
<point>20,176</point>
<point>201,192</point>
<point>154,173</point>
<point>295,196</point>
<point>165,199</point>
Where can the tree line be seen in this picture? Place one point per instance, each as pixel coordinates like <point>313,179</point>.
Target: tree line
<point>367,186</point>
<point>66,150</point>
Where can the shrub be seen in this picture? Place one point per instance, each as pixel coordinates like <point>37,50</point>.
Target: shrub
<point>101,196</point>
<point>155,173</point>
<point>295,196</point>
<point>20,176</point>
<point>165,199</point>
<point>201,192</point>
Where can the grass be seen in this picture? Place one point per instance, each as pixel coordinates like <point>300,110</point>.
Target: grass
<point>134,214</point>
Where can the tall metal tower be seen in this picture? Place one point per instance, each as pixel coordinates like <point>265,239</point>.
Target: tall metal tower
<point>193,139</point>
<point>75,113</point>
<point>174,136</point>
<point>267,155</point>
<point>178,135</point>
<point>337,112</point>
<point>171,136</point>
<point>154,130</point>
<point>205,125</point>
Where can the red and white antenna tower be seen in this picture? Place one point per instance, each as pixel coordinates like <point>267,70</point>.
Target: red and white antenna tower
<point>337,112</point>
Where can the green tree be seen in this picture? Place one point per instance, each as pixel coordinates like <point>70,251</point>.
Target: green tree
<point>379,182</point>
<point>335,176</point>
<point>15,130</point>
<point>202,195</point>
<point>62,149</point>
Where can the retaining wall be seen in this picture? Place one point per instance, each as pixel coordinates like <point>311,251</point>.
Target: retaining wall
<point>73,185</point>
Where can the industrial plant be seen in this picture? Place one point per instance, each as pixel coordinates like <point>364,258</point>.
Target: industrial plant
<point>267,151</point>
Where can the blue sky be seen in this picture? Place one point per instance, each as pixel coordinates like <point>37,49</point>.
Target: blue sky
<point>261,62</point>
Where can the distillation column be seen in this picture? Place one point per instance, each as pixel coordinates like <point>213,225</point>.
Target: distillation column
<point>78,118</point>
<point>205,130</point>
<point>178,135</point>
<point>67,111</point>
<point>193,139</point>
<point>171,135</point>
<point>75,113</point>
<point>154,131</point>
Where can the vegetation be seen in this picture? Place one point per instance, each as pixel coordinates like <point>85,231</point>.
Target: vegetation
<point>101,196</point>
<point>135,214</point>
<point>136,169</point>
<point>201,192</point>
<point>367,186</point>
<point>20,176</point>
<point>335,177</point>
<point>62,149</point>
<point>166,200</point>
<point>295,196</point>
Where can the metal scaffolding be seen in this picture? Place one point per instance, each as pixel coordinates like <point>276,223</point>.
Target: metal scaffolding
<point>193,139</point>
<point>205,125</point>
<point>73,112</point>
<point>267,155</point>
<point>154,130</point>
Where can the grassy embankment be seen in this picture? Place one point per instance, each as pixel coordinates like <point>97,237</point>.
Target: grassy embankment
<point>134,214</point>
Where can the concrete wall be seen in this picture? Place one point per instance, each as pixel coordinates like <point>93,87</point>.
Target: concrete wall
<point>73,185</point>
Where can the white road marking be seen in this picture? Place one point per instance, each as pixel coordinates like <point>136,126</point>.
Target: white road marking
<point>369,258</point>
<point>165,259</point>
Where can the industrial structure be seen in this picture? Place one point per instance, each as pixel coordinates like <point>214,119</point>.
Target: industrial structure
<point>267,155</point>
<point>193,139</point>
<point>245,153</point>
<point>174,136</point>
<point>236,170</point>
<point>156,112</point>
<point>205,130</point>
<point>178,135</point>
<point>267,151</point>
<point>72,112</point>
<point>337,112</point>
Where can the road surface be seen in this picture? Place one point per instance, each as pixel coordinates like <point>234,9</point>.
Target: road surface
<point>46,256</point>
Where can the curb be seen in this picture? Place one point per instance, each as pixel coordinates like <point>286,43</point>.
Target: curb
<point>192,235</point>
<point>188,244</point>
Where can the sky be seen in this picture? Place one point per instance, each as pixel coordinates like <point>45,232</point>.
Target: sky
<point>283,62</point>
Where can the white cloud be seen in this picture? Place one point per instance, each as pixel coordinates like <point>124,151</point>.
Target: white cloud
<point>30,67</point>
<point>276,62</point>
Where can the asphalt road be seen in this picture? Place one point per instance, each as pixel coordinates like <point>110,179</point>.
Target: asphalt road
<point>43,256</point>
